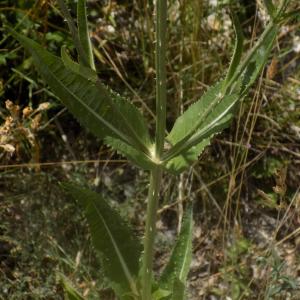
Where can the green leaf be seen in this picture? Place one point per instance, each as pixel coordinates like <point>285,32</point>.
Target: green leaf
<point>187,123</point>
<point>214,111</point>
<point>88,73</point>
<point>254,62</point>
<point>179,163</point>
<point>99,109</point>
<point>178,290</point>
<point>200,122</point>
<point>160,294</point>
<point>82,56</point>
<point>84,33</point>
<point>136,157</point>
<point>113,239</point>
<point>238,49</point>
<point>219,118</point>
<point>54,36</point>
<point>70,292</point>
<point>179,263</point>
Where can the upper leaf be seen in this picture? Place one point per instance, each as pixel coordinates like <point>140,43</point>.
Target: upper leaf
<point>197,115</point>
<point>179,263</point>
<point>84,33</point>
<point>214,111</point>
<point>199,123</point>
<point>254,62</point>
<point>238,48</point>
<point>113,239</point>
<point>99,109</point>
<point>82,54</point>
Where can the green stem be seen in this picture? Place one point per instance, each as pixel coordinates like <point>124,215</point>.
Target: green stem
<point>156,173</point>
<point>150,231</point>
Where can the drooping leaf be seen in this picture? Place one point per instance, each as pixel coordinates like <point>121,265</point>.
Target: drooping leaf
<point>84,32</point>
<point>70,292</point>
<point>99,109</point>
<point>77,68</point>
<point>113,239</point>
<point>137,157</point>
<point>179,263</point>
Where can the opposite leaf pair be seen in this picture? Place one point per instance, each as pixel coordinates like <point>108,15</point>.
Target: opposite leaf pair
<point>109,116</point>
<point>121,125</point>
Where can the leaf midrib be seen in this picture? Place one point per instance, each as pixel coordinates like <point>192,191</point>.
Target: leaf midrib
<point>90,110</point>
<point>126,270</point>
<point>197,136</point>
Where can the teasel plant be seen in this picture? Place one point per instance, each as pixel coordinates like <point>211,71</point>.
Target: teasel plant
<point>126,260</point>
